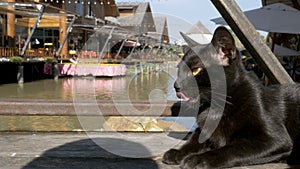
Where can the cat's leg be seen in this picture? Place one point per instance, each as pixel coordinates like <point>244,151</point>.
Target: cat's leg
<point>174,156</point>
<point>239,153</point>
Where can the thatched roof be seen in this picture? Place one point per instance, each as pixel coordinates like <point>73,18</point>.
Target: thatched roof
<point>198,28</point>
<point>199,33</point>
<point>141,21</point>
<point>161,26</point>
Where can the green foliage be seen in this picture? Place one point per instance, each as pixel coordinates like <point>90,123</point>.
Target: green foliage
<point>16,59</point>
<point>171,50</point>
<point>49,60</point>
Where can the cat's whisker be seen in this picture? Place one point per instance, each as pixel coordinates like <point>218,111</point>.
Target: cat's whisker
<point>211,90</point>
<point>220,94</point>
<point>223,100</point>
<point>216,103</point>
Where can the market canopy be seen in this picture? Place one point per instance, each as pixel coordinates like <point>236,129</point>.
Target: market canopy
<point>277,17</point>
<point>283,51</point>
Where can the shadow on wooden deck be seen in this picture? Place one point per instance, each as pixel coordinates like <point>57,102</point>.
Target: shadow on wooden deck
<point>103,150</point>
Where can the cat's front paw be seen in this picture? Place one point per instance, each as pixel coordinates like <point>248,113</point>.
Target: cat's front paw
<point>194,161</point>
<point>172,157</point>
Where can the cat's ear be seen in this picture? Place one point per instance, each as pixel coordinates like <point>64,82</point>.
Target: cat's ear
<point>224,44</point>
<point>191,43</point>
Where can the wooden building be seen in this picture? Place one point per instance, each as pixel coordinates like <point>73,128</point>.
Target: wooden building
<point>53,28</point>
<point>18,21</point>
<point>162,33</point>
<point>151,32</point>
<point>136,17</point>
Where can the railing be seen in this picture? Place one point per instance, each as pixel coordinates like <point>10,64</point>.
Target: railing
<point>40,52</point>
<point>6,52</point>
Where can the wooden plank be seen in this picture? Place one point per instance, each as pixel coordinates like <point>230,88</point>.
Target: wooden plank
<point>79,150</point>
<point>66,108</point>
<point>250,38</point>
<point>45,22</point>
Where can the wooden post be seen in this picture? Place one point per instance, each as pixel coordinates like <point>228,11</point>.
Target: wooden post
<point>11,26</point>
<point>135,69</point>
<point>141,68</point>
<point>250,38</point>
<point>55,70</point>
<point>62,33</point>
<point>3,26</point>
<point>28,33</point>
<point>20,74</point>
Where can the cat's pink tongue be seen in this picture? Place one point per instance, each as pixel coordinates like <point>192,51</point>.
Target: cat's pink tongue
<point>182,96</point>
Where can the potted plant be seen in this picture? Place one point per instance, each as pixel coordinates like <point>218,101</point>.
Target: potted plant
<point>18,60</point>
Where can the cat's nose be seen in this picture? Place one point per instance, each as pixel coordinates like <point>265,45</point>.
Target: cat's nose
<point>177,87</point>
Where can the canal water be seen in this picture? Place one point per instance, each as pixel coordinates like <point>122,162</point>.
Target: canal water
<point>134,88</point>
<point>154,86</point>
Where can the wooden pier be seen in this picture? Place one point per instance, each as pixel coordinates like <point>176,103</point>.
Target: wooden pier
<point>78,150</point>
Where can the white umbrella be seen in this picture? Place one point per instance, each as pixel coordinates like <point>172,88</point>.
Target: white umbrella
<point>277,17</point>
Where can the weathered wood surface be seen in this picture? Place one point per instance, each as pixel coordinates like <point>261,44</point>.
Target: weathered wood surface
<point>68,108</point>
<point>248,35</point>
<point>77,150</point>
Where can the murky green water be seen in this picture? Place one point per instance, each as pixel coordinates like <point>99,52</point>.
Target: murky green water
<point>155,86</point>
<point>135,88</point>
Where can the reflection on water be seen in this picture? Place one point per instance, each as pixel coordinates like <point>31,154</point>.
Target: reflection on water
<point>134,88</point>
<point>156,85</point>
<point>39,123</point>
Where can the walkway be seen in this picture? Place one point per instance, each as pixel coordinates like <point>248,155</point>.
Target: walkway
<point>78,151</point>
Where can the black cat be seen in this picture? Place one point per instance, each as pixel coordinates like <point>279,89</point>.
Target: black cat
<point>241,121</point>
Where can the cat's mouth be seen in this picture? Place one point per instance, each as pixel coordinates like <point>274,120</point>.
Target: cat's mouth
<point>186,98</point>
<point>182,96</point>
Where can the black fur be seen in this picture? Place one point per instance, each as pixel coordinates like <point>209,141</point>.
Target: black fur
<point>258,125</point>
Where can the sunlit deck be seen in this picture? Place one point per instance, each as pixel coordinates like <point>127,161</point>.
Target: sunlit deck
<point>95,150</point>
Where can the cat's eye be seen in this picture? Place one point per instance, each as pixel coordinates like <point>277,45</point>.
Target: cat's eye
<point>196,71</point>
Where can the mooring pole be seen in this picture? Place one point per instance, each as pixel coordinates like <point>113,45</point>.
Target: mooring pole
<point>250,38</point>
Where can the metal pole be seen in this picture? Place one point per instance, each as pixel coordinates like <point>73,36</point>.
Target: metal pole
<point>106,42</point>
<point>151,51</point>
<point>65,37</point>
<point>158,50</point>
<point>38,19</point>
<point>133,48</point>
<point>248,35</point>
<point>146,44</point>
<point>119,51</point>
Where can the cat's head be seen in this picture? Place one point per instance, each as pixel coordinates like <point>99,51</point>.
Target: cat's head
<point>201,62</point>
